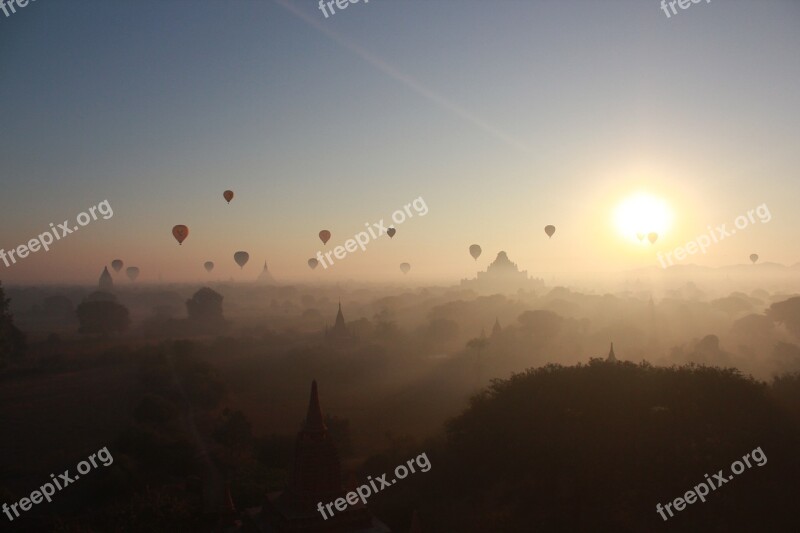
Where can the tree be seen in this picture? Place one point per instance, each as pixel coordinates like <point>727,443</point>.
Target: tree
<point>205,308</point>
<point>102,315</point>
<point>788,313</point>
<point>12,340</point>
<point>542,325</point>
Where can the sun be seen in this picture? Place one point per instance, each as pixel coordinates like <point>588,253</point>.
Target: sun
<point>641,215</point>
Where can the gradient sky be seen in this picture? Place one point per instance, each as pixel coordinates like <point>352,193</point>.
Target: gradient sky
<point>504,116</point>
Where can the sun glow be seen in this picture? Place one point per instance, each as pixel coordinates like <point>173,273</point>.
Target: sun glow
<point>642,218</point>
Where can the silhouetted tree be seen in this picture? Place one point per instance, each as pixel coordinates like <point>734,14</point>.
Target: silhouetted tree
<point>101,314</point>
<point>205,309</point>
<point>235,431</point>
<point>12,341</point>
<point>542,325</point>
<point>788,313</point>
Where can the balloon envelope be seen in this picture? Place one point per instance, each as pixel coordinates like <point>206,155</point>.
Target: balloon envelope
<point>652,237</point>
<point>241,258</point>
<point>324,236</point>
<point>228,195</point>
<point>133,273</point>
<point>405,267</point>
<point>640,236</point>
<point>390,232</point>
<point>550,229</point>
<point>209,266</point>
<point>475,251</point>
<point>116,264</point>
<point>180,232</point>
<point>313,263</point>
<point>754,258</point>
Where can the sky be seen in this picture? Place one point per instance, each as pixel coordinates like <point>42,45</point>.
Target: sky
<point>502,116</point>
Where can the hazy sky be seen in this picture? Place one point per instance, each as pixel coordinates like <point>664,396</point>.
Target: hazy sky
<point>504,116</point>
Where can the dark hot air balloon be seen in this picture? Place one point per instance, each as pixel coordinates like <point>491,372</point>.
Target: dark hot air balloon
<point>313,263</point>
<point>209,266</point>
<point>549,229</point>
<point>405,267</point>
<point>228,195</point>
<point>241,258</point>
<point>180,232</point>
<point>754,258</point>
<point>390,232</point>
<point>117,264</point>
<point>324,236</point>
<point>652,237</point>
<point>475,251</point>
<point>132,272</point>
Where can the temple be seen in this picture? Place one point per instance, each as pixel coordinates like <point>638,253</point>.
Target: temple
<point>339,332</point>
<point>611,357</point>
<point>265,277</point>
<point>316,478</point>
<point>502,276</point>
<point>106,283</point>
<point>496,330</point>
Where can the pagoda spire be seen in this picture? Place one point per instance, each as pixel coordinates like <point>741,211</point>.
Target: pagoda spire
<point>314,420</point>
<point>611,357</point>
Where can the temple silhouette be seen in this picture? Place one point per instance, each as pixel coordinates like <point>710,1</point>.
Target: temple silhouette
<point>316,477</point>
<point>502,276</point>
<point>265,277</point>
<point>106,282</point>
<point>339,331</point>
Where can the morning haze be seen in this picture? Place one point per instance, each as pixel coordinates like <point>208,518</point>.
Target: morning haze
<point>389,266</point>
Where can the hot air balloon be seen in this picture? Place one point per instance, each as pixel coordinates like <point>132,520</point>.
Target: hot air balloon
<point>324,236</point>
<point>209,266</point>
<point>550,229</point>
<point>405,267</point>
<point>652,237</point>
<point>390,232</point>
<point>475,251</point>
<point>228,195</point>
<point>313,263</point>
<point>754,258</point>
<point>132,272</point>
<point>640,236</point>
<point>241,258</point>
<point>116,264</point>
<point>180,232</point>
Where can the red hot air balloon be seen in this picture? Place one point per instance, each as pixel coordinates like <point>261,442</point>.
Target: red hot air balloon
<point>228,195</point>
<point>475,251</point>
<point>117,264</point>
<point>324,236</point>
<point>405,267</point>
<point>180,232</point>
<point>209,266</point>
<point>390,232</point>
<point>652,237</point>
<point>549,229</point>
<point>313,263</point>
<point>241,258</point>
